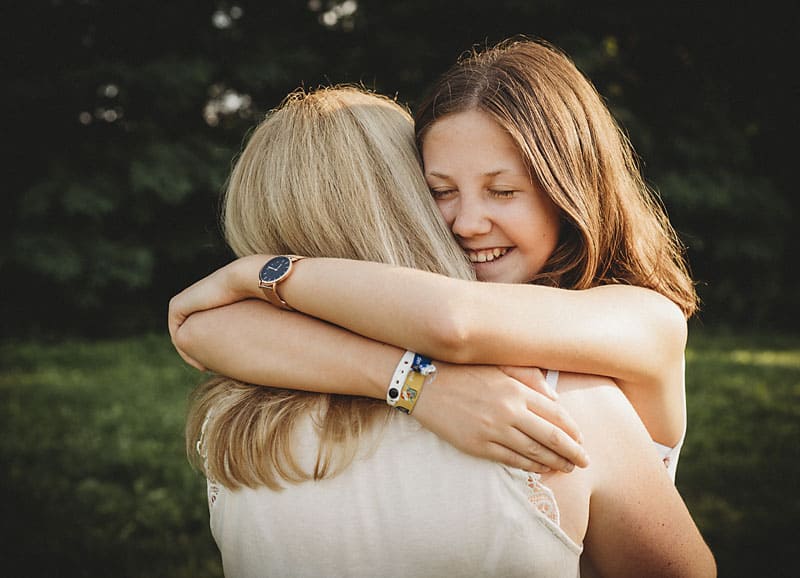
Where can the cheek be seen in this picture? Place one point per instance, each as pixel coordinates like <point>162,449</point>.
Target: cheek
<point>536,232</point>
<point>447,209</point>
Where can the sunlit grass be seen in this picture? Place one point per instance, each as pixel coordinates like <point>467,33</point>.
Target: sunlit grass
<point>96,483</point>
<point>739,468</point>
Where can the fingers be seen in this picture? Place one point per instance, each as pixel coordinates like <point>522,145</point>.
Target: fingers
<point>503,455</point>
<point>555,414</point>
<point>553,441</point>
<point>553,437</point>
<point>538,452</point>
<point>538,430</point>
<point>492,414</point>
<point>532,377</point>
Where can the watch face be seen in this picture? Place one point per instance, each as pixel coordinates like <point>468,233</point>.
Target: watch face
<point>274,269</point>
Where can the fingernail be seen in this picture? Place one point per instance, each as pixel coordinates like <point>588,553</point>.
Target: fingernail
<point>568,468</point>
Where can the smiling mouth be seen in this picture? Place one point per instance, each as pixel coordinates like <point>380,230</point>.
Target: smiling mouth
<point>486,255</point>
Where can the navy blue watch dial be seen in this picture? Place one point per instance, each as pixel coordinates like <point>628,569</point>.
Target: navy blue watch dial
<point>274,269</point>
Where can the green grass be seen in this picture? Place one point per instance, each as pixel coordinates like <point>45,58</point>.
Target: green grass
<point>94,477</point>
<point>740,468</point>
<point>95,482</point>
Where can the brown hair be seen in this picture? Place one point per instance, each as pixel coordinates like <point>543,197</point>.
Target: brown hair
<point>614,228</point>
<point>331,173</point>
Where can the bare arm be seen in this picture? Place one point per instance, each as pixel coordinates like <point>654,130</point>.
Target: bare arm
<point>626,333</point>
<point>257,343</point>
<point>638,523</point>
<point>481,410</point>
<point>631,334</point>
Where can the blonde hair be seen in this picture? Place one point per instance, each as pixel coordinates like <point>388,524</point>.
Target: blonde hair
<point>614,229</point>
<point>330,173</point>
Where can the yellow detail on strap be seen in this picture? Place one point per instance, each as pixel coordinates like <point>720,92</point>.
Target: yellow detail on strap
<point>409,394</point>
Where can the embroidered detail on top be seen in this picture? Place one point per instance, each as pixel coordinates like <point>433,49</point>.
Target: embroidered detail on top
<point>212,487</point>
<point>542,498</point>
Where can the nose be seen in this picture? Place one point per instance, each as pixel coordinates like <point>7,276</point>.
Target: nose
<point>471,218</point>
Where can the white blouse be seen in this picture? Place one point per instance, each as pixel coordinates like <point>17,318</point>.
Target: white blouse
<point>409,505</point>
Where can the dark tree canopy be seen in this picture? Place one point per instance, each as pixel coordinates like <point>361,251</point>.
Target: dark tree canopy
<point>123,119</point>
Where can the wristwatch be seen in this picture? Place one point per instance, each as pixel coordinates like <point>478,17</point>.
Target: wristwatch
<point>273,272</point>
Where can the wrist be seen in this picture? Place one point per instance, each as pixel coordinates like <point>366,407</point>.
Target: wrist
<point>373,376</point>
<point>411,374</point>
<point>244,279</point>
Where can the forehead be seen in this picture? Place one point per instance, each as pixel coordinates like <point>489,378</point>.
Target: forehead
<point>470,140</point>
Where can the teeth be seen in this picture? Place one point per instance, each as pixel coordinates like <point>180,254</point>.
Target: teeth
<point>486,255</point>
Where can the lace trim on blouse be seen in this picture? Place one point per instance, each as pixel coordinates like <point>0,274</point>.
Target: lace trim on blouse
<point>541,497</point>
<point>212,487</point>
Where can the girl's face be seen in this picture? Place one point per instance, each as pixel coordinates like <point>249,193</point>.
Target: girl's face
<point>506,224</point>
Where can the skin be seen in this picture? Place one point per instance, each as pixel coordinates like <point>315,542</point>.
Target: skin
<point>622,505</point>
<point>487,198</point>
<point>631,334</point>
<point>492,412</point>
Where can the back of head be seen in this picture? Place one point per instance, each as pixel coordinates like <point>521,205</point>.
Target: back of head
<point>331,173</point>
<point>614,229</point>
<point>335,173</point>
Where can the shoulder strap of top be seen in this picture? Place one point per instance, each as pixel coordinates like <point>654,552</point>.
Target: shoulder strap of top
<point>551,378</point>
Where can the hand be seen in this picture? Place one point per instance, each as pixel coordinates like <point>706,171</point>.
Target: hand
<point>234,282</point>
<point>506,414</point>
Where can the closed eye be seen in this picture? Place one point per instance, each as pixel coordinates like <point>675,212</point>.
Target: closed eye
<point>441,193</point>
<point>502,193</point>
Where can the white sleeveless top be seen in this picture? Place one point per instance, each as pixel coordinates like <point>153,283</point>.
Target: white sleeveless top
<point>409,505</point>
<point>670,455</point>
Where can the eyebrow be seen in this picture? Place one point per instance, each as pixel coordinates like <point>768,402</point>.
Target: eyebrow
<point>489,174</point>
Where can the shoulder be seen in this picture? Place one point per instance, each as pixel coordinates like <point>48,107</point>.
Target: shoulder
<point>658,310</point>
<point>638,524</point>
<point>577,389</point>
<point>614,436</point>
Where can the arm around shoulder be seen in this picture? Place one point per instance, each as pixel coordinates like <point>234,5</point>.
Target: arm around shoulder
<point>625,332</point>
<point>257,343</point>
<point>628,333</point>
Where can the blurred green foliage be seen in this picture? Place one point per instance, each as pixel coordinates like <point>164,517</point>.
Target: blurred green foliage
<point>124,117</point>
<point>96,483</point>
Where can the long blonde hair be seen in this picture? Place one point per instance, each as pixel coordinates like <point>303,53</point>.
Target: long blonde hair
<point>330,173</point>
<point>614,229</point>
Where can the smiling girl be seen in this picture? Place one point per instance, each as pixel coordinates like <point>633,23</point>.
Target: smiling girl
<point>581,273</point>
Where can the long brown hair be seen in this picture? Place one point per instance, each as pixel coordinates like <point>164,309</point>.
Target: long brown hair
<point>331,173</point>
<point>614,228</point>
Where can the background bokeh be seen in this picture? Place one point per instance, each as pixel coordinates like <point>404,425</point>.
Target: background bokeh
<point>122,119</point>
<point>121,122</point>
